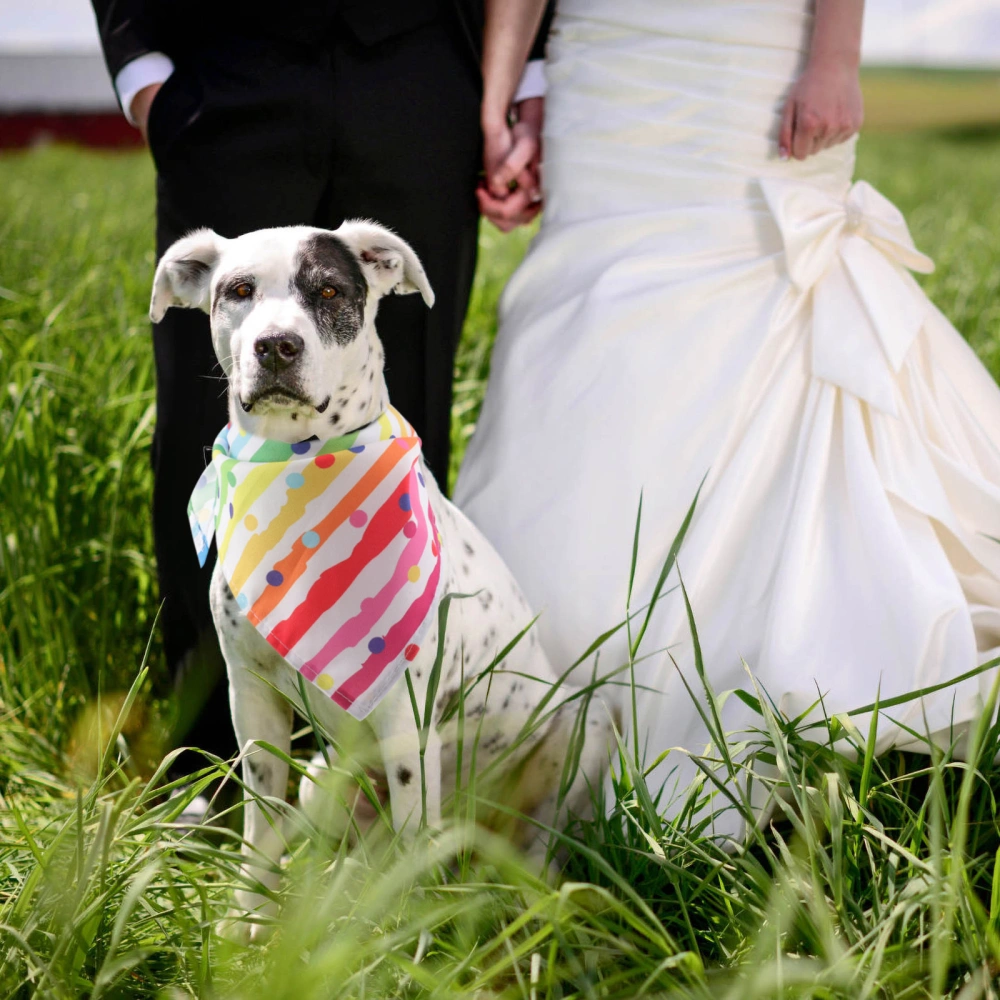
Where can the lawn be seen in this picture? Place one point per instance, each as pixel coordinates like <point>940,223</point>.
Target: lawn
<point>880,877</point>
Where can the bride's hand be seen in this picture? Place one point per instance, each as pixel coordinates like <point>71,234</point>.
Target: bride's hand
<point>510,194</point>
<point>824,108</point>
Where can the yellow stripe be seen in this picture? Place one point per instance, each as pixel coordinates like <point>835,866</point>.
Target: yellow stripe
<point>316,481</point>
<point>250,490</point>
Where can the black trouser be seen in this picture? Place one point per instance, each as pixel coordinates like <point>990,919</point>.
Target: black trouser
<point>249,138</point>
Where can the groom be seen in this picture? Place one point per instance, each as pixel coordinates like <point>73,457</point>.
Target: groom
<point>263,114</point>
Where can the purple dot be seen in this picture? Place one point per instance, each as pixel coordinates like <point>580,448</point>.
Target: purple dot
<point>376,645</point>
<point>300,447</point>
<point>404,502</point>
<point>357,449</point>
<point>230,510</point>
<point>421,478</point>
<point>274,578</point>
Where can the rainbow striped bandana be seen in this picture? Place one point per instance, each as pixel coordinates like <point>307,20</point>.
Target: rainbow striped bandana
<point>330,548</point>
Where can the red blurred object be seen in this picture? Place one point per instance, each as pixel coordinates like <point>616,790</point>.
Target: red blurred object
<point>103,130</point>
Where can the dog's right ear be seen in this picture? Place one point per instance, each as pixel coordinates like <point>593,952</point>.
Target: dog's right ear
<point>184,274</point>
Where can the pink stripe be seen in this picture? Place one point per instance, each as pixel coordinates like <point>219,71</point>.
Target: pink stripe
<point>357,628</point>
<point>395,640</point>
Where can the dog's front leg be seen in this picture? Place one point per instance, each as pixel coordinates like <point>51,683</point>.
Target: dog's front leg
<point>409,794</point>
<point>259,714</point>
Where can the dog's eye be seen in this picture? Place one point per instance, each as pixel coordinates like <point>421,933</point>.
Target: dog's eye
<point>244,290</point>
<point>328,291</point>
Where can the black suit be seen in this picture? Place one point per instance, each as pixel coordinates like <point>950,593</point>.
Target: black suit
<point>300,113</point>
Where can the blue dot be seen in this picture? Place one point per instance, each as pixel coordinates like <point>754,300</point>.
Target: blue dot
<point>376,645</point>
<point>295,480</point>
<point>404,502</point>
<point>274,578</point>
<point>300,447</point>
<point>357,449</point>
<point>310,539</point>
<point>421,478</point>
<point>230,510</point>
<point>242,600</point>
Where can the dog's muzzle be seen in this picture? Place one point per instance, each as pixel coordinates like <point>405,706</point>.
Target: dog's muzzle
<point>278,351</point>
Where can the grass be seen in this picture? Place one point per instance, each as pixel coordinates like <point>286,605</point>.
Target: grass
<point>879,877</point>
<point>901,99</point>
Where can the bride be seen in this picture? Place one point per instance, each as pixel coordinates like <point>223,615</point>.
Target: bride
<point>711,298</point>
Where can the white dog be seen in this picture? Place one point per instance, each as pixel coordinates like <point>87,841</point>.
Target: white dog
<point>293,324</point>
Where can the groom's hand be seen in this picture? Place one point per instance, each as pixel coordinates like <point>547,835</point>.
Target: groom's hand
<point>510,194</point>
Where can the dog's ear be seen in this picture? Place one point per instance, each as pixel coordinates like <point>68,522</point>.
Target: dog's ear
<point>184,274</point>
<point>388,262</point>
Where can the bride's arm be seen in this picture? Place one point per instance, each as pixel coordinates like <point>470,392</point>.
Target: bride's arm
<point>511,26</point>
<point>825,106</point>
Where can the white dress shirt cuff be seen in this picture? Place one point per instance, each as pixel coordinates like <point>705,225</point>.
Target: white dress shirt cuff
<point>532,81</point>
<point>153,67</point>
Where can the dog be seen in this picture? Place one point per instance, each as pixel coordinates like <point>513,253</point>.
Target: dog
<point>292,315</point>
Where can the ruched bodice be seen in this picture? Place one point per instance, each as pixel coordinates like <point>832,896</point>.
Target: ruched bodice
<point>696,310</point>
<point>678,103</point>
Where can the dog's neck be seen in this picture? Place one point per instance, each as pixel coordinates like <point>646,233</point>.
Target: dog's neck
<point>351,406</point>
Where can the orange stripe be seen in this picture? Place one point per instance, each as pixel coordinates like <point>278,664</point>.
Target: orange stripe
<point>294,564</point>
<point>257,547</point>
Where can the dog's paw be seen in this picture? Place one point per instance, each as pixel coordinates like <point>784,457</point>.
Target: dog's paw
<point>234,928</point>
<point>250,920</point>
<point>333,802</point>
<point>241,928</point>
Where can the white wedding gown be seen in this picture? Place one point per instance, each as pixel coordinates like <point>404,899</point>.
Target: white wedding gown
<point>693,306</point>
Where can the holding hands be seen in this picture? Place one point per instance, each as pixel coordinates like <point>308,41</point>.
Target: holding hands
<point>510,192</point>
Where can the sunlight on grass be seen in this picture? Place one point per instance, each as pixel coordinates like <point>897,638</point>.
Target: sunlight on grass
<point>877,876</point>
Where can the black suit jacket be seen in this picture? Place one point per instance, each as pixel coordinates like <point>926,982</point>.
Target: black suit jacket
<point>183,28</point>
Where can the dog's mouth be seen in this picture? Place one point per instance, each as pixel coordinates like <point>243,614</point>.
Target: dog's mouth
<point>281,396</point>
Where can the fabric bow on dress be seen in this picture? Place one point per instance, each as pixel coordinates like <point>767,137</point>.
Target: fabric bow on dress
<point>852,254</point>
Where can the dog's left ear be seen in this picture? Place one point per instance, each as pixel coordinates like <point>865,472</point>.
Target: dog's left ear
<point>184,275</point>
<point>388,262</point>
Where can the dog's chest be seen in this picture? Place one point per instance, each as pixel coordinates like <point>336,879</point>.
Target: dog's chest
<point>479,627</point>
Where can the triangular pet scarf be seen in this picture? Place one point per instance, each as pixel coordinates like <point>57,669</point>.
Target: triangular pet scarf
<point>330,548</point>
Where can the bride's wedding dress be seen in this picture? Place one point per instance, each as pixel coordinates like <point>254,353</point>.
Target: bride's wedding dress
<point>693,306</point>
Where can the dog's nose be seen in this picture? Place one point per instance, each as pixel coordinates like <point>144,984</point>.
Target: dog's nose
<point>276,351</point>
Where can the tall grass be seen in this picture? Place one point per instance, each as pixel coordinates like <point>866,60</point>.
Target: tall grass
<point>876,877</point>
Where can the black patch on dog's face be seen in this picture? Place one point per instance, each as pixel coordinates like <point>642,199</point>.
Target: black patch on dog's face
<point>404,774</point>
<point>325,260</point>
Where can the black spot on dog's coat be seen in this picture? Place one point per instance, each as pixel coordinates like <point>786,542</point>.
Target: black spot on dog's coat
<point>404,774</point>
<point>324,259</point>
<point>258,768</point>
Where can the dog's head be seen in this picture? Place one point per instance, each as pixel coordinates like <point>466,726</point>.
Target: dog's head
<point>293,319</point>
